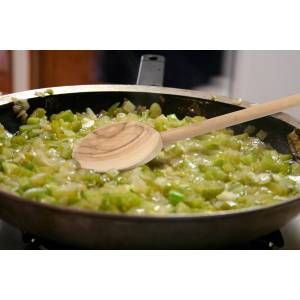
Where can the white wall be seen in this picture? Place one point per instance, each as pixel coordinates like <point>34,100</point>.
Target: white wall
<point>265,75</point>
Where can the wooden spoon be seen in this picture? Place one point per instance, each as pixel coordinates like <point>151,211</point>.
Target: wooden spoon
<point>127,145</point>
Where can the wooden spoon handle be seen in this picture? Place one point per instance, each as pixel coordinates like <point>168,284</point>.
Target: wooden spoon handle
<point>253,112</point>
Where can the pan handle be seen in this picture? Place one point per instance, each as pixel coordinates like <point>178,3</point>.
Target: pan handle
<point>151,71</point>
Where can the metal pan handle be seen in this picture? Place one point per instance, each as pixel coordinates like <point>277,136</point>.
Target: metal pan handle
<point>151,70</point>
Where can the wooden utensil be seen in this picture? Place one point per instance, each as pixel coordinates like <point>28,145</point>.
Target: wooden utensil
<point>127,145</point>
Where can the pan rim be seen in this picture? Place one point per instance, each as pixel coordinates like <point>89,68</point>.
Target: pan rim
<point>75,89</point>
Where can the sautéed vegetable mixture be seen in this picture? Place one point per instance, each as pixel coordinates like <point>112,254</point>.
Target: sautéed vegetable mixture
<point>213,172</point>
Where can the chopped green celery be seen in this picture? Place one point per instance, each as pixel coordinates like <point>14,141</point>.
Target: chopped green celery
<point>18,139</point>
<point>65,150</point>
<point>132,117</point>
<point>15,170</point>
<point>92,199</point>
<point>128,106</point>
<point>197,202</point>
<point>162,182</point>
<point>144,116</point>
<point>68,193</point>
<point>89,112</point>
<point>203,168</point>
<point>49,91</point>
<point>90,178</point>
<point>228,167</point>
<point>251,178</point>
<point>210,146</point>
<point>93,194</point>
<point>47,169</point>
<point>236,144</point>
<point>28,127</point>
<point>246,201</point>
<point>36,193</point>
<point>57,128</point>
<point>29,165</point>
<point>215,173</point>
<point>121,180</point>
<point>39,179</point>
<point>113,109</point>
<point>267,163</point>
<point>8,153</point>
<point>219,162</point>
<point>112,173</point>
<point>38,113</point>
<point>227,196</point>
<point>182,208</point>
<point>237,189</point>
<point>76,126</point>
<point>248,159</point>
<point>49,200</point>
<point>283,187</point>
<point>118,111</point>
<point>229,204</point>
<point>2,130</point>
<point>9,168</point>
<point>155,110</point>
<point>21,171</point>
<point>138,185</point>
<point>175,197</point>
<point>34,132</point>
<point>172,118</point>
<point>173,150</point>
<point>210,189</point>
<point>33,120</point>
<point>231,156</point>
<point>295,169</point>
<point>261,179</point>
<point>120,201</point>
<point>24,184</point>
<point>160,123</point>
<point>66,115</point>
<point>286,156</point>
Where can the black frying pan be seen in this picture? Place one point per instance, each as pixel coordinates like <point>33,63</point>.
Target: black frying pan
<point>87,229</point>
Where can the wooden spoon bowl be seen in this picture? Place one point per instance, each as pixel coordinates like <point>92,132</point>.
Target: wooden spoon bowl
<point>118,146</point>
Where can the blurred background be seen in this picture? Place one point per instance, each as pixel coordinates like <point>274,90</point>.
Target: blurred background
<point>255,76</point>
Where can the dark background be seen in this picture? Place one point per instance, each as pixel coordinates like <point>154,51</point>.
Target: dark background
<point>184,69</point>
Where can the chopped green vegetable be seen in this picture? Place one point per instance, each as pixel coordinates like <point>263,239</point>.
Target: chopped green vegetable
<point>175,197</point>
<point>66,115</point>
<point>155,110</point>
<point>213,172</point>
<point>112,110</point>
<point>49,91</point>
<point>39,113</point>
<point>128,106</point>
<point>33,120</point>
